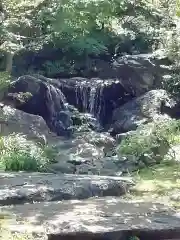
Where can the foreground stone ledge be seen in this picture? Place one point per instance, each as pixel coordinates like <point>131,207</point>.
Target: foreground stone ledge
<point>96,218</point>
<point>18,188</point>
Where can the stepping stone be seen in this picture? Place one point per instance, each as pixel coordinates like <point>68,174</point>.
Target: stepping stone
<point>95,218</point>
<point>18,188</point>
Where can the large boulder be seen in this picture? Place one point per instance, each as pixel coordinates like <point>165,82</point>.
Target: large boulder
<point>141,110</point>
<point>32,95</point>
<point>32,126</point>
<point>140,73</point>
<point>19,188</point>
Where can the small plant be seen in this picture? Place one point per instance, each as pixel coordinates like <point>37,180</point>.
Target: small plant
<point>20,97</point>
<point>20,154</point>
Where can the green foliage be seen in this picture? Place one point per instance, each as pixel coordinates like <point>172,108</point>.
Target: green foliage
<point>5,79</point>
<point>171,43</point>
<point>20,154</point>
<point>79,28</point>
<point>51,68</point>
<point>20,97</point>
<point>178,8</point>
<point>171,83</point>
<point>151,141</point>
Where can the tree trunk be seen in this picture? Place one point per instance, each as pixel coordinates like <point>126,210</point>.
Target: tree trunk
<point>9,62</point>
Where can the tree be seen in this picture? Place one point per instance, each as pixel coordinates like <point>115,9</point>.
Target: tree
<point>79,28</point>
<point>17,32</point>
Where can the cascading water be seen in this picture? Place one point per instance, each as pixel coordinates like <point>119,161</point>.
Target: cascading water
<point>100,105</point>
<point>92,100</point>
<point>82,94</point>
<point>89,97</point>
<point>57,99</point>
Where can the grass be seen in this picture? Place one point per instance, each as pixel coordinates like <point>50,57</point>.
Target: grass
<point>160,183</point>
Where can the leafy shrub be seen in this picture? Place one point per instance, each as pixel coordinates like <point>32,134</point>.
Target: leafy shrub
<point>172,46</point>
<point>53,68</point>
<point>151,142</point>
<point>171,83</point>
<point>169,41</point>
<point>20,154</point>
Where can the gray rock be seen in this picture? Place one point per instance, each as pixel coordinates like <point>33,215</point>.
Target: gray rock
<point>121,136</point>
<point>18,188</point>
<point>142,72</point>
<point>62,166</point>
<point>140,110</point>
<point>103,218</point>
<point>99,139</point>
<point>84,154</point>
<point>32,126</point>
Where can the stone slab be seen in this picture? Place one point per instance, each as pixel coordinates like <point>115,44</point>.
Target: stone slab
<point>18,188</point>
<point>105,217</point>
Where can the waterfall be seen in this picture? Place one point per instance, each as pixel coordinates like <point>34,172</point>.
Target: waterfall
<point>82,94</point>
<point>55,99</point>
<point>100,102</point>
<point>96,101</point>
<point>92,100</point>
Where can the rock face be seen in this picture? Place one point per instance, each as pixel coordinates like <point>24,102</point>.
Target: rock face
<point>145,69</point>
<point>95,96</point>
<point>141,110</point>
<point>115,84</point>
<point>75,205</point>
